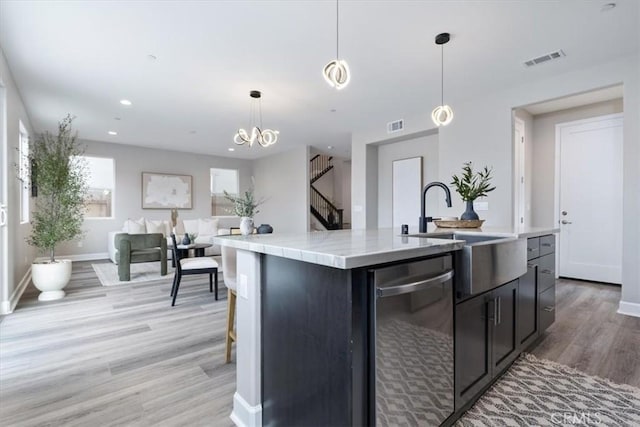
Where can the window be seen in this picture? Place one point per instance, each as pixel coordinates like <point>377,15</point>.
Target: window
<point>223,180</point>
<point>23,173</point>
<point>101,182</point>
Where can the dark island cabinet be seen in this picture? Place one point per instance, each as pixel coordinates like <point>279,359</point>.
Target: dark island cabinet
<point>528,306</point>
<point>485,339</point>
<point>537,292</point>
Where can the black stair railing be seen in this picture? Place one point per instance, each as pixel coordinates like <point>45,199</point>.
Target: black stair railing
<point>324,211</point>
<point>320,165</point>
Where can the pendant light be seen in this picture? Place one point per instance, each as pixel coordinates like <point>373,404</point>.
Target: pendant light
<point>336,72</point>
<point>442,115</point>
<point>264,137</point>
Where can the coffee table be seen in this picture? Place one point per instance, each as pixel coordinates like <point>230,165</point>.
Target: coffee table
<point>198,251</point>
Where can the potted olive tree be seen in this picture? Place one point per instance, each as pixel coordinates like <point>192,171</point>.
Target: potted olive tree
<point>245,206</point>
<point>60,175</point>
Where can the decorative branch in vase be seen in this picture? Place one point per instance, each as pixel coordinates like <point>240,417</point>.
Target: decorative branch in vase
<point>472,185</point>
<point>245,206</point>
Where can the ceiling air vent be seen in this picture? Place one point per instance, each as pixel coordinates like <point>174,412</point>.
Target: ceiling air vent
<point>396,126</point>
<point>544,58</point>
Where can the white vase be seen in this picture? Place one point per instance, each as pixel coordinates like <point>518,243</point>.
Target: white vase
<point>51,278</point>
<point>246,225</point>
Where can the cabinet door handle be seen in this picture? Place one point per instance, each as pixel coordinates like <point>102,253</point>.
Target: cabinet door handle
<point>499,310</point>
<point>547,245</point>
<point>547,271</point>
<point>549,308</point>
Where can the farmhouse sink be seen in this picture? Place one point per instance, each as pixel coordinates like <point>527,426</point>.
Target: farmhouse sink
<point>484,262</point>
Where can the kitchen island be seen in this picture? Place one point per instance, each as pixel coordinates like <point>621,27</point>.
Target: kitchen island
<point>306,319</point>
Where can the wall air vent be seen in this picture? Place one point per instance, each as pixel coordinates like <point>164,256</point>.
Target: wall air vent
<point>544,58</point>
<point>395,126</point>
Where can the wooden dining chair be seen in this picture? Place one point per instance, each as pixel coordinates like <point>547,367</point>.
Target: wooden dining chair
<point>187,266</point>
<point>229,275</point>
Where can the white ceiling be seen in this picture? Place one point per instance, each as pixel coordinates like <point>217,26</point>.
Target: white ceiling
<point>82,57</point>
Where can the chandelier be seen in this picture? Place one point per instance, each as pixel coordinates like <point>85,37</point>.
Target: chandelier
<point>442,115</point>
<point>336,72</point>
<point>264,137</point>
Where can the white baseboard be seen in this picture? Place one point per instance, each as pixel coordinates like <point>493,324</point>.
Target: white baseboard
<point>7,307</point>
<point>629,308</point>
<point>245,415</point>
<point>81,257</point>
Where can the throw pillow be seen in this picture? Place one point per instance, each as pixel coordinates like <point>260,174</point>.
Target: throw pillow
<point>157,227</point>
<point>135,226</point>
<point>207,227</point>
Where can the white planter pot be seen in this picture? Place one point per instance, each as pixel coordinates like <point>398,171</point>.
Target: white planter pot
<point>51,278</point>
<point>246,226</point>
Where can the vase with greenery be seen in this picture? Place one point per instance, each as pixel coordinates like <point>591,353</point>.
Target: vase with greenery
<point>471,185</point>
<point>61,176</point>
<point>245,206</point>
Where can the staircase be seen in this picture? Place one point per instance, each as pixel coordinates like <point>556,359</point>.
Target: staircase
<point>322,209</point>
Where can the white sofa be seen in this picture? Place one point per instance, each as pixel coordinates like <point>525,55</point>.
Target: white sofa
<point>205,228</point>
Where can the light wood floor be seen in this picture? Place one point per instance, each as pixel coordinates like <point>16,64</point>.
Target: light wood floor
<point>123,356</point>
<point>590,336</point>
<point>117,355</point>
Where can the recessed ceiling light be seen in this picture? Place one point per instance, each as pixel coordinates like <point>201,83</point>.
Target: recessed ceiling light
<point>608,6</point>
<point>125,102</point>
<point>330,147</point>
<point>112,132</point>
<point>231,149</point>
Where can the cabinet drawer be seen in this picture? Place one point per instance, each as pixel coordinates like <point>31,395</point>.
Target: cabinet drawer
<point>546,272</point>
<point>547,244</point>
<point>547,304</point>
<point>533,248</point>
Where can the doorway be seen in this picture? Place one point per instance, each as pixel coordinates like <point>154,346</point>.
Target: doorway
<point>589,198</point>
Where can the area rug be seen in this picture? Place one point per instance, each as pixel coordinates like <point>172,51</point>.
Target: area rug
<point>536,392</point>
<point>140,272</point>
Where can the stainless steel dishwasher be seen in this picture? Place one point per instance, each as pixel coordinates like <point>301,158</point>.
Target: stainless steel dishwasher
<point>413,343</point>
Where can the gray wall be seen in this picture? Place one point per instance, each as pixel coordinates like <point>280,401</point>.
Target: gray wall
<point>19,253</point>
<point>130,162</point>
<point>544,154</point>
<point>283,180</point>
<point>482,132</point>
<point>427,148</point>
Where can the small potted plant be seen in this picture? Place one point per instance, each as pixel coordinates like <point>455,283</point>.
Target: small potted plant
<point>59,207</point>
<point>472,185</point>
<point>245,206</point>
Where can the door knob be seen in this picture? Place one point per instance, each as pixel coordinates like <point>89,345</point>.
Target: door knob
<point>564,221</point>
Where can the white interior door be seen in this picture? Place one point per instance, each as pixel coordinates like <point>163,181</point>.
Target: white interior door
<point>590,199</point>
<point>4,177</point>
<point>519,173</point>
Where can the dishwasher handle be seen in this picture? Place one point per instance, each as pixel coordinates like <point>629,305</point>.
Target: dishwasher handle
<point>414,286</point>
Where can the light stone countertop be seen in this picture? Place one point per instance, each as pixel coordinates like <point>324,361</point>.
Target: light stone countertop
<point>346,249</point>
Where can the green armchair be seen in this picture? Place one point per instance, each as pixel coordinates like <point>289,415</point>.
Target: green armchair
<point>139,248</point>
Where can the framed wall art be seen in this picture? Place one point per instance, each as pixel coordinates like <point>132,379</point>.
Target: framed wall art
<point>166,191</point>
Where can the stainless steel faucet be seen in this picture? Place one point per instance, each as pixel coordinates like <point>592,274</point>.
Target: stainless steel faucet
<point>426,219</point>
